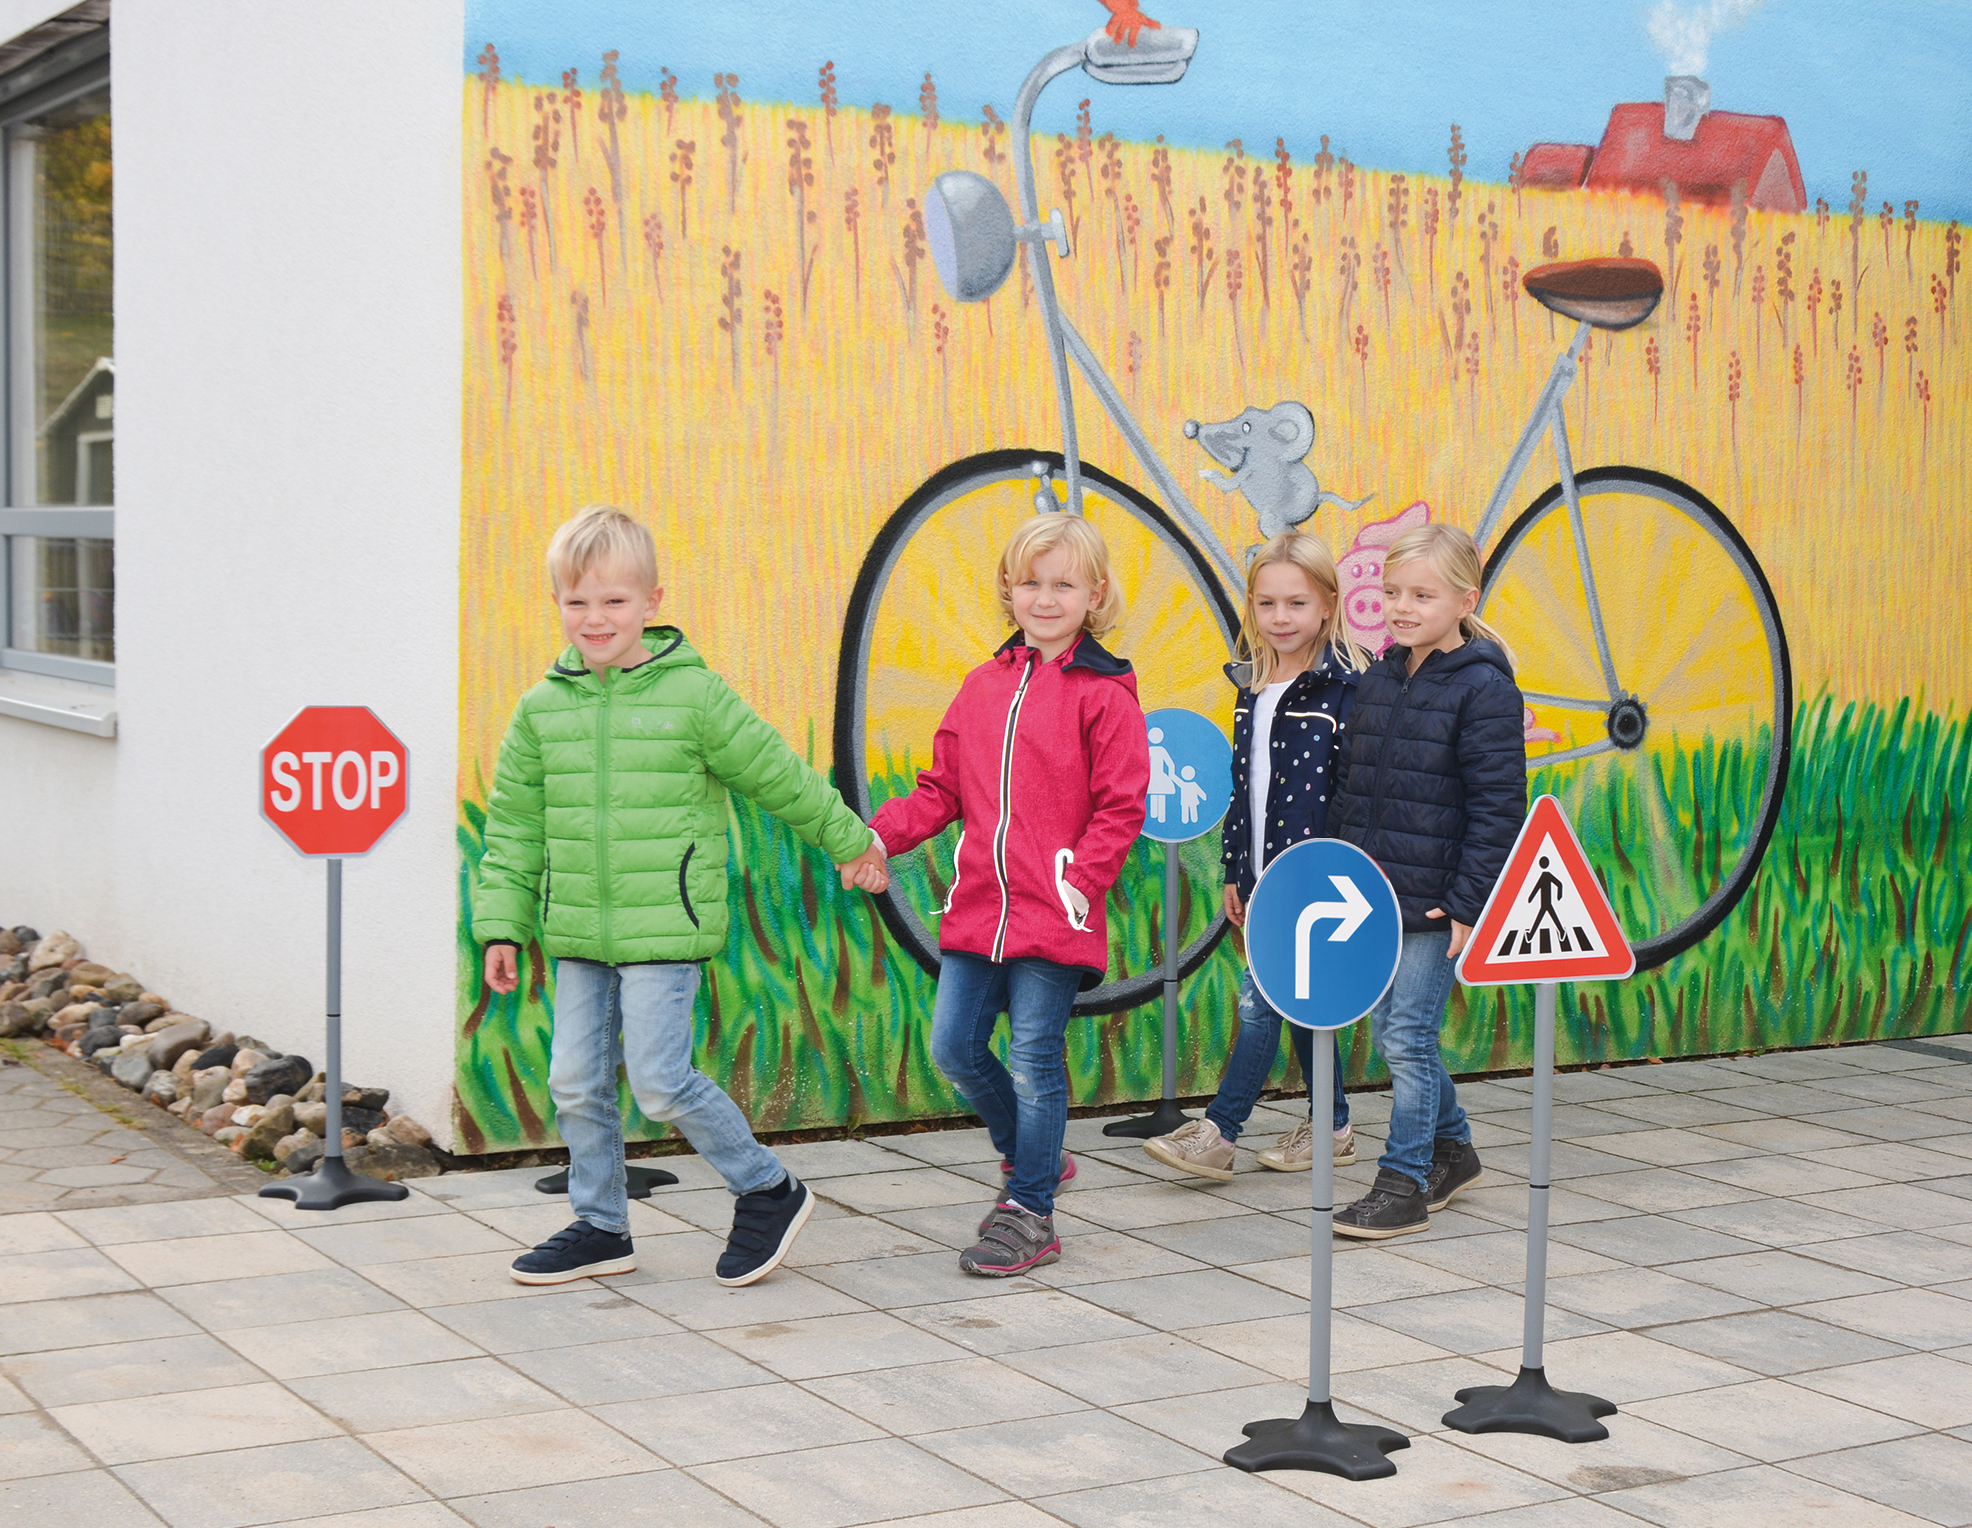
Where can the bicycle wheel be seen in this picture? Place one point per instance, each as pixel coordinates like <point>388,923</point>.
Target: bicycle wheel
<point>923,614</point>
<point>1651,652</point>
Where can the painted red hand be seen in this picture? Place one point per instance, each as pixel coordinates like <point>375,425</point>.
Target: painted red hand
<point>1125,21</point>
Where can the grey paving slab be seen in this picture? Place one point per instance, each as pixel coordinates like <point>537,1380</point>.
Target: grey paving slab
<point>1101,1256</point>
<point>703,1304</point>
<point>965,1392</point>
<point>591,1312</point>
<point>510,1453</point>
<point>32,1443</point>
<point>1431,1474</point>
<point>847,1484</point>
<point>1647,1240</point>
<point>1279,1344</point>
<point>277,1299</point>
<point>1041,1318</point>
<point>637,1369</point>
<point>1081,1449</point>
<point>1917,1318</point>
<point>1887,1122</point>
<point>418,1514</point>
<point>461,1390</point>
<point>1643,1297</point>
<point>1626,1366</point>
<point>1239,1239</point>
<point>1173,1300</point>
<point>119,1370</point>
<point>1126,1369</point>
<point>1777,1342</point>
<point>1495,1257</point>
<point>1783,1135</point>
<point>202,1259</point>
<point>32,1231</point>
<point>51,1325</point>
<point>660,1497</point>
<point>1926,1477</point>
<point>1636,1452</point>
<point>1413,1398</point>
<point>1470,1320</point>
<point>343,1344</point>
<point>1216,1496</point>
<point>1658,1190</point>
<point>94,1497</point>
<point>1660,1148</point>
<point>68,1271</point>
<point>1771,1420</point>
<point>236,1488</point>
<point>1366,1276</point>
<point>1778,1222</point>
<point>736,1424</point>
<point>1777,1277</point>
<point>1926,1388</point>
<point>195,1422</point>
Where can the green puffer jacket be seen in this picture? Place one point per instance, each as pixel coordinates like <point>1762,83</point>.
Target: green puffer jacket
<point>609,807</point>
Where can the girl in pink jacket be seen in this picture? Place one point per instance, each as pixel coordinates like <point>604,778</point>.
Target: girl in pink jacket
<point>1044,758</point>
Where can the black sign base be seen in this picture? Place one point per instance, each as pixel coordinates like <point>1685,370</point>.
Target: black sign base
<point>638,1181</point>
<point>332,1185</point>
<point>1531,1405</point>
<point>1315,1440</point>
<point>1168,1117</point>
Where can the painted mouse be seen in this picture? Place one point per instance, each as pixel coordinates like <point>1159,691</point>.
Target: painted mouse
<point>1261,450</point>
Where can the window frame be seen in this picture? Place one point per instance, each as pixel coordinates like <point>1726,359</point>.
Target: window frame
<point>73,69</point>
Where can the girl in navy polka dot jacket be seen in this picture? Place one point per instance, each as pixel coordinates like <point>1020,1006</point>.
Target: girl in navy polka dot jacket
<point>1291,712</point>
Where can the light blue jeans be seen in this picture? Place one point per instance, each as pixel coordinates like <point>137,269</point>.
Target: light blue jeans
<point>1025,1109</point>
<point>640,1018</point>
<point>1254,1051</point>
<point>1404,1027</point>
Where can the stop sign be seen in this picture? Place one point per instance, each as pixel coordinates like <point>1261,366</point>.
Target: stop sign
<point>333,781</point>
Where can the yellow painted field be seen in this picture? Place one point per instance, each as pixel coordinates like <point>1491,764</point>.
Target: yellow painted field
<point>658,351</point>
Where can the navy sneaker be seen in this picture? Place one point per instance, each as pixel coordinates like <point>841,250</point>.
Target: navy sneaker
<point>764,1227</point>
<point>582,1251</point>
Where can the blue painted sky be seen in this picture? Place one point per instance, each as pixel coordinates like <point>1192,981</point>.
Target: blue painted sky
<point>1881,85</point>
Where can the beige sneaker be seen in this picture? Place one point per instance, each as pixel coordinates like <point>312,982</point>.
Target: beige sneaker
<point>1295,1151</point>
<point>1194,1148</point>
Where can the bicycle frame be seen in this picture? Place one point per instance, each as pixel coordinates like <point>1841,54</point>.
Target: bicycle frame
<point>1065,342</point>
<point>1549,417</point>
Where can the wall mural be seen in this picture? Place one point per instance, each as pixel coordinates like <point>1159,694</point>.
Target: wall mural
<point>1716,471</point>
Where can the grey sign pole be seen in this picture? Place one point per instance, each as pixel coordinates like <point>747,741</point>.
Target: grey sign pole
<point>1167,1116</point>
<point>1530,1404</point>
<point>332,1185</point>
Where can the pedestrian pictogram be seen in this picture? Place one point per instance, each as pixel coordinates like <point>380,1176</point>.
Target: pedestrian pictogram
<point>1548,918</point>
<point>1190,776</point>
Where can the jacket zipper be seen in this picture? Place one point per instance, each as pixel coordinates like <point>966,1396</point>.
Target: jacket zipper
<point>602,800</point>
<point>1006,806</point>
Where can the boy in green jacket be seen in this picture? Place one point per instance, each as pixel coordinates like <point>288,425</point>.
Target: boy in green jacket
<point>609,817</point>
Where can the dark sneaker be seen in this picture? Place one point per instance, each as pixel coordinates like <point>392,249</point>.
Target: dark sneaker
<point>582,1251</point>
<point>764,1227</point>
<point>1393,1205</point>
<point>1454,1169</point>
<point>1012,1242</point>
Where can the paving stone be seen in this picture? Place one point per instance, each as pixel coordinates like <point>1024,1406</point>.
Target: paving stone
<point>1082,1449</point>
<point>1470,1320</point>
<point>1917,1318</point>
<point>238,1488</point>
<point>1775,1277</point>
<point>1926,1388</point>
<point>638,1369</point>
<point>420,1395</point>
<point>92,1497</point>
<point>1173,1300</point>
<point>1642,1297</point>
<point>591,1312</point>
<point>662,1497</point>
<point>1636,1452</point>
<point>117,1370</point>
<point>341,1344</point>
<point>161,1222</point>
<point>1126,1369</point>
<point>1216,1496</point>
<point>1922,1476</point>
<point>196,1422</point>
<point>63,1273</point>
<point>202,1259</point>
<point>1770,1419</point>
<point>35,1231</point>
<point>1279,1345</point>
<point>33,1444</point>
<point>1776,1342</point>
<point>510,1453</point>
<point>1430,1474</point>
<point>736,1424</point>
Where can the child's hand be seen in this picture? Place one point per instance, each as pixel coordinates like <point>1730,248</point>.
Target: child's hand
<point>502,970</point>
<point>869,871</point>
<point>1235,910</point>
<point>1460,933</point>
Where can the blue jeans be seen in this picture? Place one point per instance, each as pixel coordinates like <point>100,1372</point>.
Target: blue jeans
<point>1252,1059</point>
<point>1404,1027</point>
<point>1025,1109</point>
<point>639,1017</point>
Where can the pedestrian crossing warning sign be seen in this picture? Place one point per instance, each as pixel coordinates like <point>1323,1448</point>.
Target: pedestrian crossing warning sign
<point>1548,918</point>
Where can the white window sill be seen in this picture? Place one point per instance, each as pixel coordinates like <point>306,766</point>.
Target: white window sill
<point>87,708</point>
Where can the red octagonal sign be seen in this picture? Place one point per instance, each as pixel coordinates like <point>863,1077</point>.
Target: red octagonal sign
<point>334,781</point>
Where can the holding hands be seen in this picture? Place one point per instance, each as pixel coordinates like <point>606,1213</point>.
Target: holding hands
<point>869,870</point>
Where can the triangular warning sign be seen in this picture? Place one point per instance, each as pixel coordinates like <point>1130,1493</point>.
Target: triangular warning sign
<point>1548,919</point>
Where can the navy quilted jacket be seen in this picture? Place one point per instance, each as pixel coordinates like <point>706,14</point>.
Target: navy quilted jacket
<point>1434,784</point>
<point>1305,743</point>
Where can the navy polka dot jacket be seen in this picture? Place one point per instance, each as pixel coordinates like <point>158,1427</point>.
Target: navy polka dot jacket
<point>1307,724</point>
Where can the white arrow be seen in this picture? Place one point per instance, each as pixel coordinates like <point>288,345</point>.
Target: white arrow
<point>1352,909</point>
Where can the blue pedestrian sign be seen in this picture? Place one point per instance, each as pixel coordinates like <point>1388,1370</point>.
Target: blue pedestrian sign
<point>1323,934</point>
<point>1190,776</point>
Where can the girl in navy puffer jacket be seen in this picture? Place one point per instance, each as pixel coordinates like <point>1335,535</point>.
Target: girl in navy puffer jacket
<point>1434,789</point>
<point>1289,724</point>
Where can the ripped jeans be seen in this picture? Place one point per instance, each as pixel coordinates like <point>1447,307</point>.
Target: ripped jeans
<point>1025,1109</point>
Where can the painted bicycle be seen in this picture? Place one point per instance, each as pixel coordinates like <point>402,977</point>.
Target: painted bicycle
<point>1664,731</point>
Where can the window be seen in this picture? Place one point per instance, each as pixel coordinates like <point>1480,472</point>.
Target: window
<point>57,528</point>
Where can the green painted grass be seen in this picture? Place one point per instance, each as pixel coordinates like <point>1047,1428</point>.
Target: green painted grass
<point>1855,928</point>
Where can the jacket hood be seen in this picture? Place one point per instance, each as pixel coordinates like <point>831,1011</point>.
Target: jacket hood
<point>1087,653</point>
<point>1332,667</point>
<point>1475,651</point>
<point>665,644</point>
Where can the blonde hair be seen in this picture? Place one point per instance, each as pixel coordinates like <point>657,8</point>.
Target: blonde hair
<point>1311,554</point>
<point>1455,556</point>
<point>602,535</point>
<point>1087,552</point>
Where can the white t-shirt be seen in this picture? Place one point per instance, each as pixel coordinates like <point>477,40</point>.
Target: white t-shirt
<point>1260,767</point>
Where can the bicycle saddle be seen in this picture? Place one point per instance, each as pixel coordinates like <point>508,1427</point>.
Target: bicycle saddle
<point>1611,293</point>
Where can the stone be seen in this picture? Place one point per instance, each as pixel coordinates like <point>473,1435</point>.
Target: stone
<point>354,1140</point>
<point>316,1091</point>
<point>247,1042</point>
<point>162,1089</point>
<point>278,1074</point>
<point>220,1053</point>
<point>288,1145</point>
<point>226,1135</point>
<point>132,1070</point>
<point>19,1019</point>
<point>245,1059</point>
<point>265,1133</point>
<point>280,1100</point>
<point>26,935</point>
<point>13,968</point>
<point>52,951</point>
<point>406,1131</point>
<point>208,1089</point>
<point>89,973</point>
<point>216,1118</point>
<point>180,1107</point>
<point>47,984</point>
<point>364,1098</point>
<point>167,1045</point>
<point>80,1013</point>
<point>393,1162</point>
<point>312,1117</point>
<point>146,1014</point>
<point>235,1091</point>
<point>183,1066</point>
<point>10,942</point>
<point>123,988</point>
<point>101,1037</point>
<point>363,1121</point>
<point>248,1115</point>
<point>304,1156</point>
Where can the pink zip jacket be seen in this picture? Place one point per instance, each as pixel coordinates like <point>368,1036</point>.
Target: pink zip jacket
<point>1048,766</point>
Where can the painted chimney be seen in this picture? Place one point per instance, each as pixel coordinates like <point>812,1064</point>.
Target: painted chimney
<point>1686,99</point>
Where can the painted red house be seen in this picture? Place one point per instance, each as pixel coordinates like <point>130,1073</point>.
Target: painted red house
<point>1704,152</point>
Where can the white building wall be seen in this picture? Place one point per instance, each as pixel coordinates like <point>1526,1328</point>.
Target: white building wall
<point>288,377</point>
